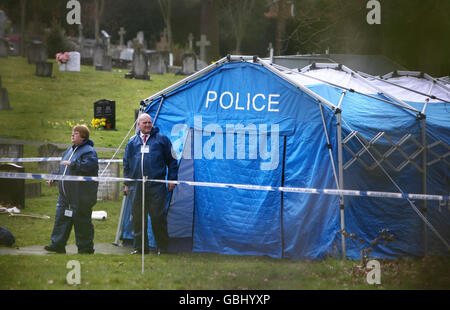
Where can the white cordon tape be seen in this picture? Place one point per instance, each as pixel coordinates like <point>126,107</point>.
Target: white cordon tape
<point>18,175</point>
<point>45,159</point>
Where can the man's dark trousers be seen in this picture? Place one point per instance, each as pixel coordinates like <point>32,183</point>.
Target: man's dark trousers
<point>155,202</point>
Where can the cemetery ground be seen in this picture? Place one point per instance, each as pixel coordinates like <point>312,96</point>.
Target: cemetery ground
<point>42,109</point>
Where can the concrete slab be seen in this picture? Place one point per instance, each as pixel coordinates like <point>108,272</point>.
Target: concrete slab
<point>100,248</point>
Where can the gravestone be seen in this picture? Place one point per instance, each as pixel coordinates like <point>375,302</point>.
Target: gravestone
<point>73,65</point>
<point>139,66</point>
<point>49,150</point>
<point>159,62</point>
<point>106,109</point>
<point>189,64</point>
<point>203,43</point>
<point>4,99</point>
<point>33,190</point>
<point>37,52</point>
<point>12,191</point>
<point>99,52</point>
<point>87,52</point>
<point>121,34</point>
<point>106,63</point>
<point>4,47</point>
<point>108,190</point>
<point>3,20</point>
<point>44,69</point>
<point>11,150</point>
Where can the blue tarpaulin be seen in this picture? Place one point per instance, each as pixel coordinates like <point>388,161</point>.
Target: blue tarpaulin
<point>243,124</point>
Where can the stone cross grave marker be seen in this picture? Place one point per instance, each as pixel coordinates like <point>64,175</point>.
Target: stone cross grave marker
<point>203,43</point>
<point>121,34</point>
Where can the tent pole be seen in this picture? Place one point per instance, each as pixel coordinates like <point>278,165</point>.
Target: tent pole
<point>143,221</point>
<point>341,180</point>
<point>282,198</point>
<point>424,180</point>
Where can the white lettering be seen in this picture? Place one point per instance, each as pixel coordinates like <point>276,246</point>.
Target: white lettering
<point>209,99</point>
<point>254,99</point>
<point>221,100</point>
<point>373,276</point>
<point>374,15</point>
<point>74,15</point>
<point>73,276</point>
<point>271,102</point>
<point>256,102</point>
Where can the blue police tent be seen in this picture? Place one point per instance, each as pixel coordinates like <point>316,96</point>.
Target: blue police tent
<point>243,121</point>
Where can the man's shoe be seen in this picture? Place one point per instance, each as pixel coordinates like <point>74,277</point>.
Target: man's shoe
<point>53,249</point>
<point>134,252</point>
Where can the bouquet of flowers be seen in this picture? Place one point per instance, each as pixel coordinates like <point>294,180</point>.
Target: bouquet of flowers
<point>62,58</point>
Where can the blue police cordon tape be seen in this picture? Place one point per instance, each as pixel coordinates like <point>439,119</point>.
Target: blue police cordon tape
<point>46,159</point>
<point>19,175</point>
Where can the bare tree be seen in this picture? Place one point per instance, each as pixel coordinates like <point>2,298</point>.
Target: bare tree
<point>166,10</point>
<point>238,13</point>
<point>98,16</point>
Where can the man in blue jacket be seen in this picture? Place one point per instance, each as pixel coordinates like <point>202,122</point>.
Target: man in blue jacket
<point>76,198</point>
<point>151,152</point>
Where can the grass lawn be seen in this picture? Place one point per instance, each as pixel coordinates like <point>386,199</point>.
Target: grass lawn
<point>41,109</point>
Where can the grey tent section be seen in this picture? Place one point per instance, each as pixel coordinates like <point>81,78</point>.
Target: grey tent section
<point>370,64</point>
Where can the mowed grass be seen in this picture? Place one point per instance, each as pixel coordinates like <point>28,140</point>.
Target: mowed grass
<point>40,110</point>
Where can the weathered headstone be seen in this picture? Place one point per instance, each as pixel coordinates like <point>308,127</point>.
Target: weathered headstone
<point>106,63</point>
<point>4,47</point>
<point>106,109</point>
<point>11,150</point>
<point>12,191</point>
<point>3,20</point>
<point>140,66</point>
<point>44,69</point>
<point>37,52</point>
<point>159,62</point>
<point>189,64</point>
<point>33,189</point>
<point>4,99</point>
<point>73,64</point>
<point>87,52</point>
<point>99,52</point>
<point>108,190</point>
<point>141,40</point>
<point>49,150</point>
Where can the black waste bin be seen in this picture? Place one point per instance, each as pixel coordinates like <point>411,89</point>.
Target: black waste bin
<point>12,191</point>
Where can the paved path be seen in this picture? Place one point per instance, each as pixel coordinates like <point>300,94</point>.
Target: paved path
<point>61,145</point>
<point>100,248</point>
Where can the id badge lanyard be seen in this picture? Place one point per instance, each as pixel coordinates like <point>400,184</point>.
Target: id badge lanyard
<point>67,212</point>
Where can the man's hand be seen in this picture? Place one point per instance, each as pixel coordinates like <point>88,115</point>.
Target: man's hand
<point>126,190</point>
<point>171,187</point>
<point>65,162</point>
<point>50,182</point>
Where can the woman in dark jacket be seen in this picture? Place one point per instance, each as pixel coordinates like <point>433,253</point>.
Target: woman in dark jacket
<point>76,198</point>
